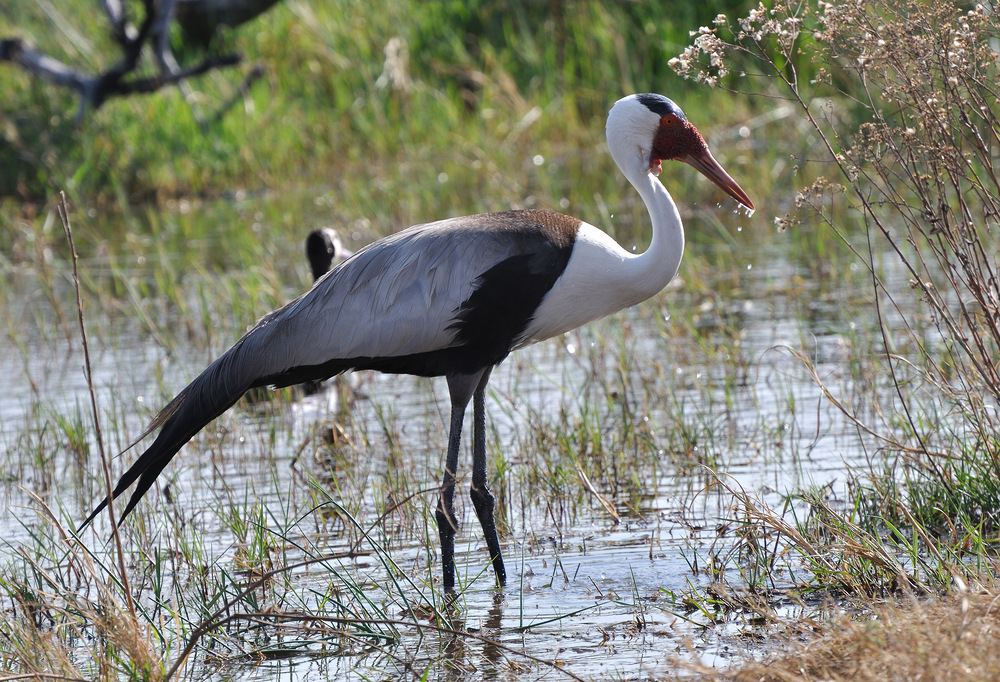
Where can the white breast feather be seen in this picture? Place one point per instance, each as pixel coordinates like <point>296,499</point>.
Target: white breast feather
<point>590,288</point>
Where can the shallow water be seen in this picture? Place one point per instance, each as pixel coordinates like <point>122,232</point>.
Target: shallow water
<point>593,595</point>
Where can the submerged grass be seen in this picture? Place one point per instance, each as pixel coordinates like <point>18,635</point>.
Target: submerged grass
<point>228,579</point>
<point>581,442</point>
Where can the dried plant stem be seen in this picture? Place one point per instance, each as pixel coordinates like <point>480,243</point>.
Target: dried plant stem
<point>63,210</point>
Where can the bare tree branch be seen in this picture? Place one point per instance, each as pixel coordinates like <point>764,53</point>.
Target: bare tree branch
<point>96,88</point>
<point>45,67</point>
<point>116,15</point>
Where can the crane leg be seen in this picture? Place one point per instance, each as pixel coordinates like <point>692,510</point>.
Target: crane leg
<point>447,525</point>
<point>482,498</point>
<point>461,388</point>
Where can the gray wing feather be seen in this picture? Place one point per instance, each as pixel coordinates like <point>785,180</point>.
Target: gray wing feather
<point>396,297</point>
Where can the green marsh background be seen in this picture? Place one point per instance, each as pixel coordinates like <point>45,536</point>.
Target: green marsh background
<point>681,483</point>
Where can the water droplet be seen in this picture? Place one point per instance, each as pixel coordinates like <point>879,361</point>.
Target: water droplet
<point>739,228</point>
<point>538,159</point>
<point>749,266</point>
<point>570,348</point>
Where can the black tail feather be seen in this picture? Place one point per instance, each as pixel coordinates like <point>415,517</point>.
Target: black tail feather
<point>208,396</point>
<point>257,359</point>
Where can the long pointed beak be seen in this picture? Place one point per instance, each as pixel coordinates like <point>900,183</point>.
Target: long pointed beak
<point>705,163</point>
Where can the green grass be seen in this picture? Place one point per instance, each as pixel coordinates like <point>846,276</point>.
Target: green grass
<point>318,114</point>
<point>325,549</point>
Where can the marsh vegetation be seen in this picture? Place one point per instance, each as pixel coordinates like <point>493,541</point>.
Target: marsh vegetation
<point>803,424</point>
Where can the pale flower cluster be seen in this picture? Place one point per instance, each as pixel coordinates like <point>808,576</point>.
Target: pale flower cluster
<point>706,42</point>
<point>759,25</point>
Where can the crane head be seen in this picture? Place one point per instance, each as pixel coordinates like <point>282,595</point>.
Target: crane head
<point>324,249</point>
<point>676,139</point>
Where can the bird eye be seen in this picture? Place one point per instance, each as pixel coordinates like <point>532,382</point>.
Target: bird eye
<point>668,120</point>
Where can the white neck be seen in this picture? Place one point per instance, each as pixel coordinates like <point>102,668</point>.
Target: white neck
<point>647,273</point>
<point>601,277</point>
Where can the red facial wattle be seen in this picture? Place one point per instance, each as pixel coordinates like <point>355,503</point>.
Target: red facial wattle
<point>678,140</point>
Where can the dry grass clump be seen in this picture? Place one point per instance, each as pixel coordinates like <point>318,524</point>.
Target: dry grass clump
<point>947,639</point>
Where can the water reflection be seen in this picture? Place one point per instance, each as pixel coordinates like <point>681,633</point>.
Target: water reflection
<point>696,376</point>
